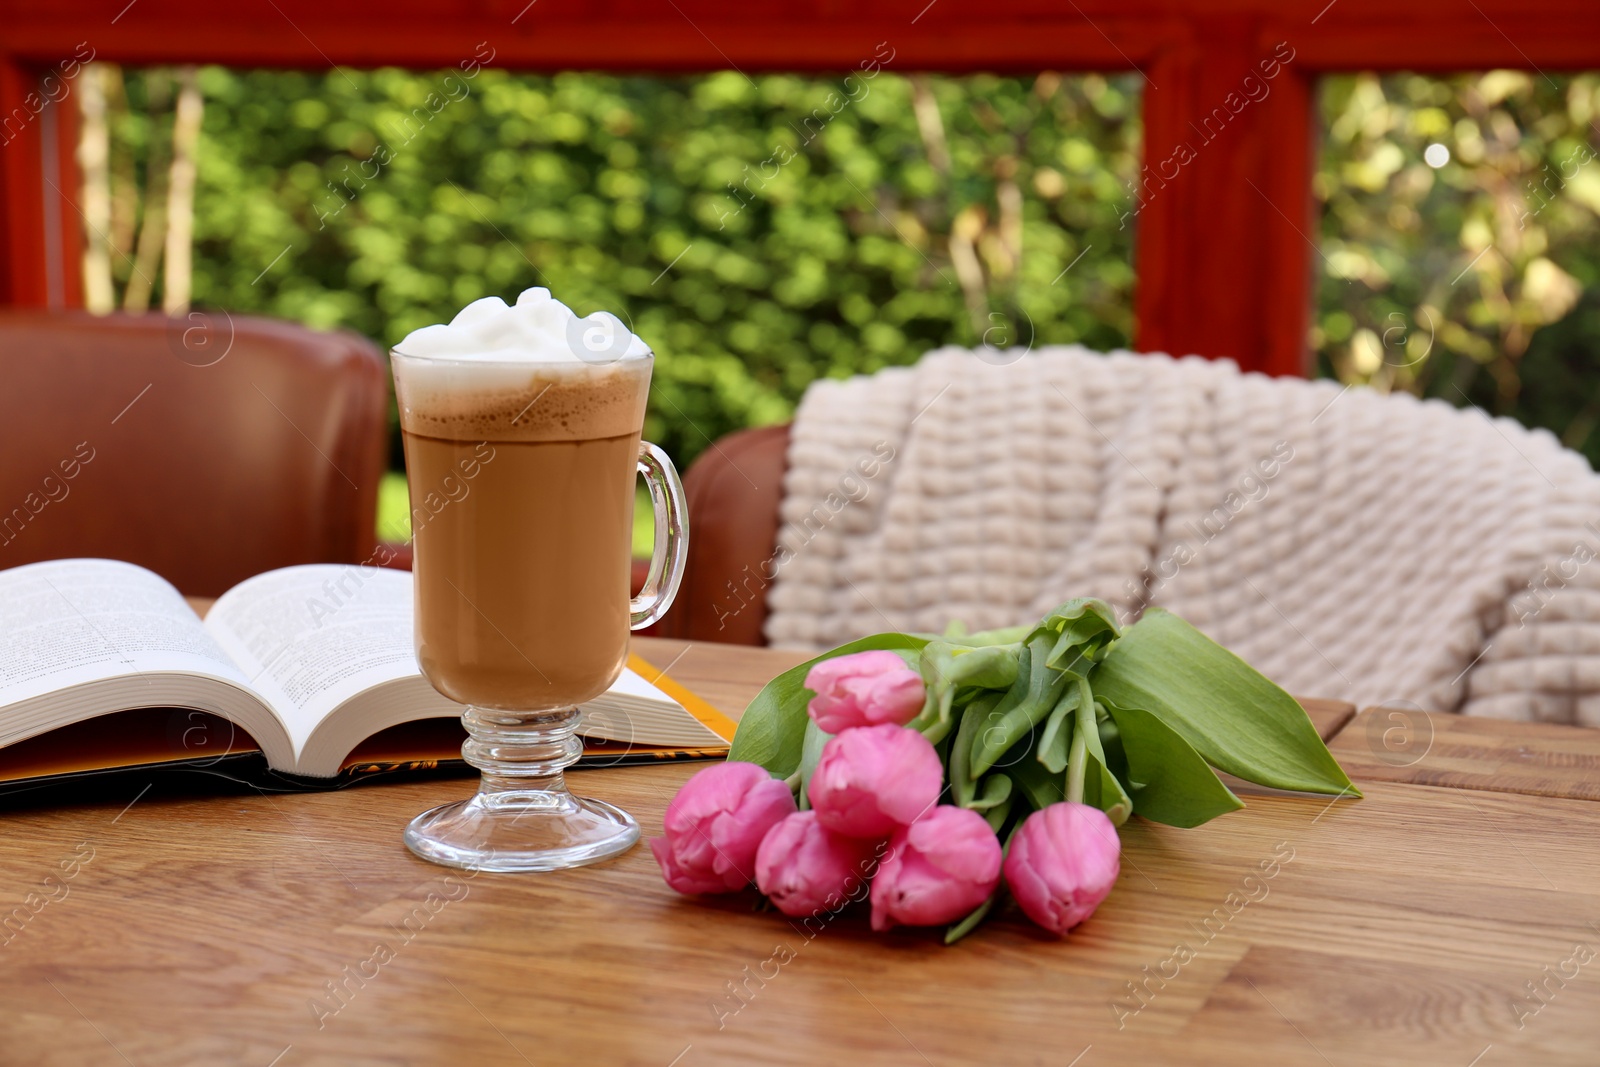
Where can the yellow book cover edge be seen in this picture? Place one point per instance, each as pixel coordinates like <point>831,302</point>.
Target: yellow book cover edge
<point>709,717</point>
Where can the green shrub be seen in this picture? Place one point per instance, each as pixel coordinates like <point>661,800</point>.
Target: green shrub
<point>757,233</point>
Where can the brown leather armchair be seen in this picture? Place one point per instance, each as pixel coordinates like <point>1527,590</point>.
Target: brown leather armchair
<point>734,490</point>
<point>208,447</point>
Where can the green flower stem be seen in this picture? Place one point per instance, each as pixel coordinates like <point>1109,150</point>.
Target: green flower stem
<point>970,923</point>
<point>1077,763</point>
<point>981,912</point>
<point>963,789</point>
<point>810,755</point>
<point>935,729</point>
<point>998,814</point>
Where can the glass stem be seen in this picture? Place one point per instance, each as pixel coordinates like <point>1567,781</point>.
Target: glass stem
<point>521,751</point>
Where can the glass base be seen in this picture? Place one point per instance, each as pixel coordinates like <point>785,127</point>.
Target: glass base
<point>523,818</point>
<point>536,830</point>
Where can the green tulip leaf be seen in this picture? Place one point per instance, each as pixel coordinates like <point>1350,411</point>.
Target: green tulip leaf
<point>1233,716</point>
<point>948,668</point>
<point>1100,786</point>
<point>1168,780</point>
<point>1036,784</point>
<point>1035,692</point>
<point>1102,790</point>
<point>995,793</point>
<point>963,787</point>
<point>1081,629</point>
<point>1008,636</point>
<point>1056,738</point>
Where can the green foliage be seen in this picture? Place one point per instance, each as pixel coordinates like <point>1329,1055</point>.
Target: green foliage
<point>354,199</point>
<point>1445,281</point>
<point>761,233</point>
<point>394,508</point>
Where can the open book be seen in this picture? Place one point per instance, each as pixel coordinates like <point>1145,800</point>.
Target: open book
<point>312,667</point>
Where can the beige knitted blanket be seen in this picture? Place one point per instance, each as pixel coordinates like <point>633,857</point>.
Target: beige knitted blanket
<point>1350,545</point>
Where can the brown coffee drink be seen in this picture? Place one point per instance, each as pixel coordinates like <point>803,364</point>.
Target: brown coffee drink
<point>522,478</point>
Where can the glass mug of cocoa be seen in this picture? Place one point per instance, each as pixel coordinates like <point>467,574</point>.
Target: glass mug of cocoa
<point>522,578</point>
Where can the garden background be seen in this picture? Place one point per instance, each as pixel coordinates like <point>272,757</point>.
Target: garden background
<point>760,233</point>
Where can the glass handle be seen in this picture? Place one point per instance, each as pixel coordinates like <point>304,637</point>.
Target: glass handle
<point>672,537</point>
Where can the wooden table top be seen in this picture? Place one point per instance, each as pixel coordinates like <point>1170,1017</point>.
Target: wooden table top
<point>1404,928</point>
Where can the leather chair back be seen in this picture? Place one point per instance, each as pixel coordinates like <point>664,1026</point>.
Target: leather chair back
<point>734,491</point>
<point>207,448</point>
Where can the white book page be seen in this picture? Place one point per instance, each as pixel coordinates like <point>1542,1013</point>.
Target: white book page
<point>634,689</point>
<point>316,636</point>
<point>67,622</point>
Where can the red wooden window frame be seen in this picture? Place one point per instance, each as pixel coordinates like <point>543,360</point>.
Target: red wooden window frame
<point>1225,248</point>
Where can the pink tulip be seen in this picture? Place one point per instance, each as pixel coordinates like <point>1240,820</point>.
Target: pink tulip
<point>864,689</point>
<point>715,825</point>
<point>873,779</point>
<point>1062,863</point>
<point>936,870</point>
<point>806,870</point>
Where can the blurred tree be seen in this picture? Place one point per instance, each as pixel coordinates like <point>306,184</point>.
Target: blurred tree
<point>113,196</point>
<point>1461,220</point>
<point>758,233</point>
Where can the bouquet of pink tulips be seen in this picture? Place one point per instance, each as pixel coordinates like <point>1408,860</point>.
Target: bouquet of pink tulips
<point>929,774</point>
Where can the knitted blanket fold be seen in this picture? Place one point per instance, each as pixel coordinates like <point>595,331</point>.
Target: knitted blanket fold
<point>1350,545</point>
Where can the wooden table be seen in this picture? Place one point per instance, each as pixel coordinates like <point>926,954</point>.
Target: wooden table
<point>1399,929</point>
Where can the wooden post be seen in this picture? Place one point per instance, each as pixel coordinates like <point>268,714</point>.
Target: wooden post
<point>41,235</point>
<point>1226,233</point>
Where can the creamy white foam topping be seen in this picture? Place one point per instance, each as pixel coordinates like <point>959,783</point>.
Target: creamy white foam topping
<point>537,328</point>
<point>532,371</point>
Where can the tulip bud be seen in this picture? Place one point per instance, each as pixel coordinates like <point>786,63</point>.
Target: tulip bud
<point>873,779</point>
<point>806,870</point>
<point>864,689</point>
<point>936,870</point>
<point>1062,863</point>
<point>715,824</point>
